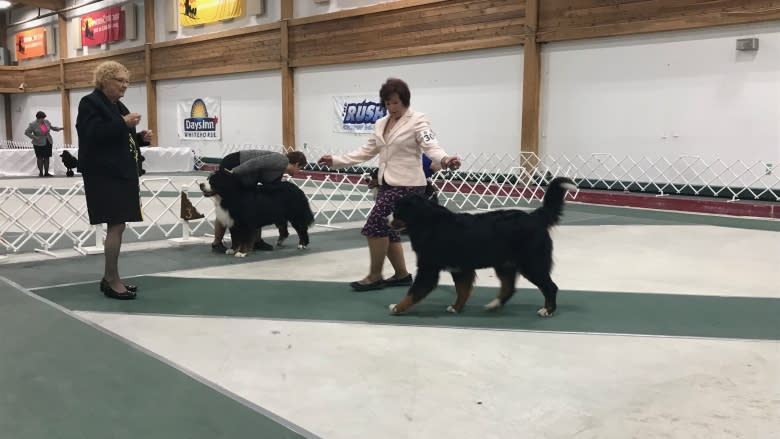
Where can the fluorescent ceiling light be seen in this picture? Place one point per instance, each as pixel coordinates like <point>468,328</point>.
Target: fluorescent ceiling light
<point>5,4</point>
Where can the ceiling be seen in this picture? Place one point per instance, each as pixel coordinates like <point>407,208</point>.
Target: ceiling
<point>53,5</point>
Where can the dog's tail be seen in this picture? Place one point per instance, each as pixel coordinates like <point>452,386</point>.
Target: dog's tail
<point>552,203</point>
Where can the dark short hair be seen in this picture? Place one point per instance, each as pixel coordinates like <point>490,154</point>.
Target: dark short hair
<point>297,157</point>
<point>40,115</point>
<point>395,85</point>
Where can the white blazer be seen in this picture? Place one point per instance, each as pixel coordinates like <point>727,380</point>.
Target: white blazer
<point>400,153</point>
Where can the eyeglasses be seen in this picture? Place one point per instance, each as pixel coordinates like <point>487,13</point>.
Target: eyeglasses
<point>122,81</point>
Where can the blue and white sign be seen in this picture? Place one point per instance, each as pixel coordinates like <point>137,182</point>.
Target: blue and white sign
<point>357,114</point>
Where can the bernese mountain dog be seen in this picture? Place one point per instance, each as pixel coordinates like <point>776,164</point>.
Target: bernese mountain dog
<point>511,242</point>
<point>245,210</point>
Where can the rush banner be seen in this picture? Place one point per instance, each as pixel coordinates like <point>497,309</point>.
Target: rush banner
<point>198,119</point>
<point>31,43</point>
<point>356,114</point>
<point>196,12</point>
<point>103,26</point>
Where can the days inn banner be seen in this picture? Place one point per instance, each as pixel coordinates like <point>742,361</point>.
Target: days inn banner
<point>356,114</point>
<point>103,26</point>
<point>199,119</point>
<point>31,43</point>
<point>197,12</point>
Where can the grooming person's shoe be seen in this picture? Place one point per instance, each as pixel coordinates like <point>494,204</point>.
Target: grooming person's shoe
<point>398,282</point>
<point>378,285</point>
<point>119,295</point>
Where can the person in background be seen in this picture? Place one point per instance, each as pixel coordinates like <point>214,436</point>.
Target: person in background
<point>39,131</point>
<point>399,139</point>
<point>108,162</point>
<point>253,167</point>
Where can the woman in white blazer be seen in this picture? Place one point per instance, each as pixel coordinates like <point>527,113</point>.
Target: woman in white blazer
<point>399,139</point>
<point>39,131</point>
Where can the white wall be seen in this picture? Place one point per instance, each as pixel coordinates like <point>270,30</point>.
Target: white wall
<point>306,8</point>
<point>669,94</point>
<point>251,109</point>
<point>21,16</point>
<point>74,20</point>
<point>472,99</point>
<point>25,105</point>
<point>272,14</point>
<point>134,100</point>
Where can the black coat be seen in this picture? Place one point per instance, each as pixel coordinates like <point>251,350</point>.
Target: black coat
<point>104,138</point>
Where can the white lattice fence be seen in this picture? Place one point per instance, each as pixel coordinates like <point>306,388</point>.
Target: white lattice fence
<point>45,218</point>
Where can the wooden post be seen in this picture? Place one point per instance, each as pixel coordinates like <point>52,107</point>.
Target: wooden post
<point>149,21</point>
<point>288,80</point>
<point>529,137</point>
<point>9,133</point>
<point>67,134</point>
<point>151,94</point>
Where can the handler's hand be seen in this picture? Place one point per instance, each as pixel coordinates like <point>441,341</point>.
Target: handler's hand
<point>452,162</point>
<point>326,160</point>
<point>132,119</point>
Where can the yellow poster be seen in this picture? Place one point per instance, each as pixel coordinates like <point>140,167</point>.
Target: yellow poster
<point>197,12</point>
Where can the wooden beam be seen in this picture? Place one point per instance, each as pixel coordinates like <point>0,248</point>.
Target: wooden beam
<point>151,96</point>
<point>52,5</point>
<point>67,134</point>
<point>62,35</point>
<point>149,21</point>
<point>288,78</point>
<point>9,127</point>
<point>529,136</point>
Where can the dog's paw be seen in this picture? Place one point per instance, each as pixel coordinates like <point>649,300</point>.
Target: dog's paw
<point>452,309</point>
<point>229,251</point>
<point>392,308</point>
<point>302,247</point>
<point>240,255</point>
<point>495,303</point>
<point>543,312</point>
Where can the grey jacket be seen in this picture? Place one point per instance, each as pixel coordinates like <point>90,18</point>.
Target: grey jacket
<point>260,167</point>
<point>34,132</point>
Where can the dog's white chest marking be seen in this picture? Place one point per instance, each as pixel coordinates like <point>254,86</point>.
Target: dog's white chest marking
<point>223,216</point>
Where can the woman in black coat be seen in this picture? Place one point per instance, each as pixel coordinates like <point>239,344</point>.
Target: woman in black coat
<point>108,161</point>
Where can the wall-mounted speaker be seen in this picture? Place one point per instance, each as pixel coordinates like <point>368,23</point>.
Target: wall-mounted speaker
<point>255,7</point>
<point>171,16</point>
<point>75,32</point>
<point>747,44</point>
<point>131,22</point>
<point>51,45</point>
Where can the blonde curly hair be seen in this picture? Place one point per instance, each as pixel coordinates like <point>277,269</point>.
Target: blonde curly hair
<point>108,70</point>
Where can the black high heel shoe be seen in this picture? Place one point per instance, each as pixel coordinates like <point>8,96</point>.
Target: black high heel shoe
<point>119,295</point>
<point>131,288</point>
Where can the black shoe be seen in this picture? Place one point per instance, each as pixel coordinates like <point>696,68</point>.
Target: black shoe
<point>264,246</point>
<point>119,295</point>
<point>218,248</point>
<point>131,288</point>
<point>395,282</point>
<point>378,285</point>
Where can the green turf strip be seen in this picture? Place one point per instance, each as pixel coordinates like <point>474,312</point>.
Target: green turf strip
<point>580,311</point>
<point>61,378</point>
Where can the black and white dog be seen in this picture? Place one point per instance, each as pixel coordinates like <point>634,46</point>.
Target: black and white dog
<point>244,211</point>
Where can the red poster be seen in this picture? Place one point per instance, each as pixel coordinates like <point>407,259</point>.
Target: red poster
<point>31,43</point>
<point>103,26</point>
